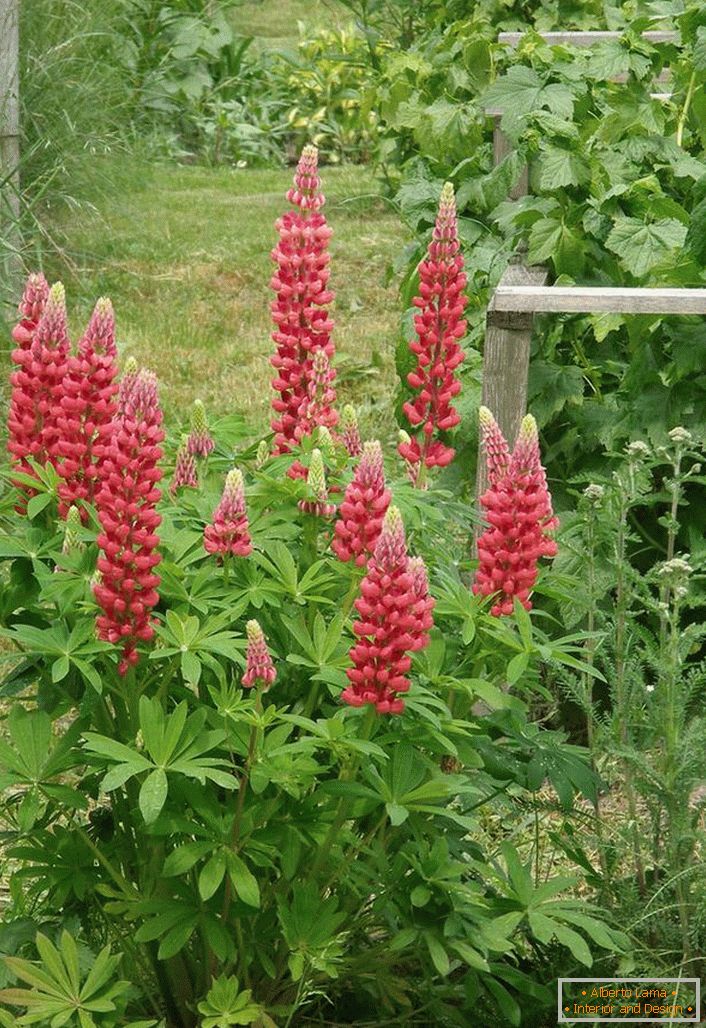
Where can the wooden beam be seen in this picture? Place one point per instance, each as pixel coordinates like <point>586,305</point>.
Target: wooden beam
<point>533,298</point>
<point>10,145</point>
<point>585,39</point>
<point>506,360</point>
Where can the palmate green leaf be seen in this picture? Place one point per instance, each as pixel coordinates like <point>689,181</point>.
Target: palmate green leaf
<point>559,167</point>
<point>521,91</point>
<point>56,993</point>
<point>642,247</point>
<point>484,192</point>
<point>552,239</point>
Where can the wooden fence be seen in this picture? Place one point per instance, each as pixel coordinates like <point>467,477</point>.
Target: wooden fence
<point>9,147</point>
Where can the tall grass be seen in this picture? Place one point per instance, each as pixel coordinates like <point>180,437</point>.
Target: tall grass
<point>77,105</point>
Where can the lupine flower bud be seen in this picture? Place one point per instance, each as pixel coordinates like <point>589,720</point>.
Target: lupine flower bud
<point>306,191</point>
<point>391,622</point>
<point>363,508</point>
<point>72,532</point>
<point>34,297</point>
<point>126,501</point>
<point>420,589</point>
<point>229,532</point>
<point>497,452</point>
<point>302,323</point>
<point>35,404</point>
<point>519,513</point>
<point>200,441</point>
<point>127,382</point>
<point>263,454</point>
<point>439,325</point>
<point>185,472</point>
<point>318,491</point>
<point>412,468</point>
<point>259,668</point>
<point>350,433</point>
<point>88,405</point>
<point>326,443</point>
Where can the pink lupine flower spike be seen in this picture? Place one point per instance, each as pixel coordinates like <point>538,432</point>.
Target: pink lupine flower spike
<point>439,326</point>
<point>518,510</point>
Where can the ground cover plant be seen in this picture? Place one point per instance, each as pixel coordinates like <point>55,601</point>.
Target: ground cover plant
<point>243,772</point>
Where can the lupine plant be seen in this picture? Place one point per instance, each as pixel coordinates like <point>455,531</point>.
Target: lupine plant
<point>241,768</point>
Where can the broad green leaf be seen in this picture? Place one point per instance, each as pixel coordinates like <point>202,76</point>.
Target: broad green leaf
<point>641,247</point>
<point>521,91</point>
<point>559,167</point>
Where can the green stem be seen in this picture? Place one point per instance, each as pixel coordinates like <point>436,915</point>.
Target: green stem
<point>681,124</point>
<point>235,836</point>
<point>345,802</point>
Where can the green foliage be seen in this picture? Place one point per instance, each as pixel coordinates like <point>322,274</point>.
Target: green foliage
<point>62,992</point>
<point>645,725</point>
<point>330,859</point>
<point>226,1005</point>
<point>616,198</point>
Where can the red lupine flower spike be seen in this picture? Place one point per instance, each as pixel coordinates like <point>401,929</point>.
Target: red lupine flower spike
<point>185,471</point>
<point>393,619</point>
<point>200,439</point>
<point>88,406</point>
<point>318,501</point>
<point>259,668</point>
<point>363,509</point>
<point>35,403</point>
<point>229,532</point>
<point>350,433</point>
<point>126,500</point>
<point>439,325</point>
<point>519,513</point>
<point>300,310</point>
<point>34,297</point>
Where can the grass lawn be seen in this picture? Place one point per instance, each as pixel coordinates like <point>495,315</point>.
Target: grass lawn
<point>184,255</point>
<point>274,23</point>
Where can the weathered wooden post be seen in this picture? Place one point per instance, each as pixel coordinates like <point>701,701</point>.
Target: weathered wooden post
<point>10,264</point>
<point>508,335</point>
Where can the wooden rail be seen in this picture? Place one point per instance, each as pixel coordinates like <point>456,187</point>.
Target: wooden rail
<point>585,39</point>
<point>514,297</point>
